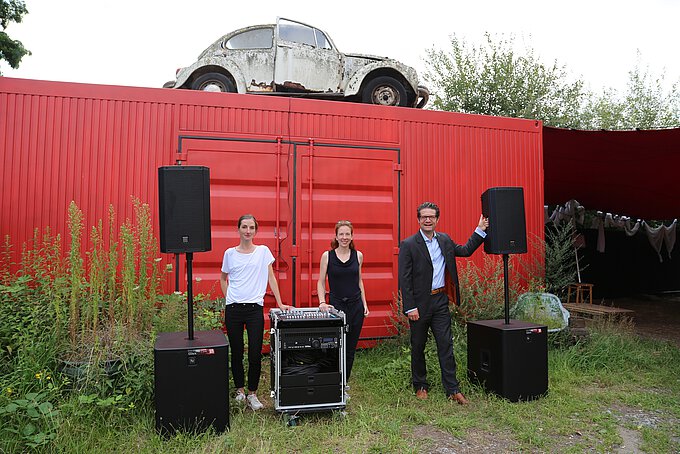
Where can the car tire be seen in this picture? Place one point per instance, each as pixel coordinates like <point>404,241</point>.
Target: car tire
<point>384,91</point>
<point>213,82</point>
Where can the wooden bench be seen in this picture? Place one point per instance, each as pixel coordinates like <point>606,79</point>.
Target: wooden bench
<point>596,309</point>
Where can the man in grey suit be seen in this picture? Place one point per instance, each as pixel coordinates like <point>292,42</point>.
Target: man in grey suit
<point>424,260</point>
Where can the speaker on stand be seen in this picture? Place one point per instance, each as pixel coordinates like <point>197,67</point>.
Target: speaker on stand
<point>191,370</point>
<point>509,357</point>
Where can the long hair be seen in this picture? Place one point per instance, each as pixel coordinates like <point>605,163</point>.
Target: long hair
<point>334,242</point>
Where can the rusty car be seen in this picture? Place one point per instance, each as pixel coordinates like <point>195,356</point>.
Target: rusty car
<point>295,59</point>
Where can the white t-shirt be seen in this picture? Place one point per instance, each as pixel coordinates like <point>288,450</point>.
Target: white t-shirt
<point>248,274</point>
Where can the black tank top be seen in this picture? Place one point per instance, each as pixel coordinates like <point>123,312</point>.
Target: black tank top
<point>343,278</point>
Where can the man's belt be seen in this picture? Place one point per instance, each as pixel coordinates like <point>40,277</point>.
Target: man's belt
<point>437,291</point>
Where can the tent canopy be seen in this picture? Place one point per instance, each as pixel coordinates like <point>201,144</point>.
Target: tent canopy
<point>632,173</point>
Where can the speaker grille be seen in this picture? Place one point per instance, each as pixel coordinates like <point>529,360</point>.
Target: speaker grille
<point>507,226</point>
<point>184,209</point>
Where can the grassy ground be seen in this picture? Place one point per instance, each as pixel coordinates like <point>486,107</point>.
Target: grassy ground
<point>615,391</point>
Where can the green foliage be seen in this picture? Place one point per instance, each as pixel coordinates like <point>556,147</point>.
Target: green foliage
<point>494,79</point>
<point>560,257</point>
<point>645,104</point>
<point>31,418</point>
<point>11,50</point>
<point>482,290</point>
<point>497,79</point>
<point>68,319</point>
<point>555,266</point>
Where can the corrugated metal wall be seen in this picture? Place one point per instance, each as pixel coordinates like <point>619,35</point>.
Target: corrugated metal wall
<point>101,145</point>
<point>63,146</point>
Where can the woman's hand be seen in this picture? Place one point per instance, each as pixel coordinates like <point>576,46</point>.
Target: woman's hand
<point>285,307</point>
<point>366,311</point>
<point>324,307</point>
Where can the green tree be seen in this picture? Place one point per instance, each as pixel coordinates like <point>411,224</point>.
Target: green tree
<point>493,79</point>
<point>645,104</point>
<point>11,50</point>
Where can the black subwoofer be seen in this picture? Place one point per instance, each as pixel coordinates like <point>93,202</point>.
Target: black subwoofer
<point>191,381</point>
<point>507,226</point>
<point>184,209</point>
<point>510,360</point>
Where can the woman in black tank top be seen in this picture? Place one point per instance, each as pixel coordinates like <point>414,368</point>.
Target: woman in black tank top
<point>342,265</point>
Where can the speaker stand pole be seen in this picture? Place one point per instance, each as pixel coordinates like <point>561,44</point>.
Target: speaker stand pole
<point>177,272</point>
<point>506,288</point>
<point>190,296</point>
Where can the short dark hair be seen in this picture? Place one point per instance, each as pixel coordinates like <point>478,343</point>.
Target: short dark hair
<point>430,205</point>
<point>247,216</point>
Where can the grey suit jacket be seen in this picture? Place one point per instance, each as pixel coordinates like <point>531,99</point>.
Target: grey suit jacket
<point>415,267</point>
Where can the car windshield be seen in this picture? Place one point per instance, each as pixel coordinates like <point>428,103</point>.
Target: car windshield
<point>260,38</point>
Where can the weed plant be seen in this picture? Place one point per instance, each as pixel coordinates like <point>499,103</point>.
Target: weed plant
<point>596,386</point>
<point>77,329</point>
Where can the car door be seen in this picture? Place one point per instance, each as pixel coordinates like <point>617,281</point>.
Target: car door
<point>252,51</point>
<point>306,60</point>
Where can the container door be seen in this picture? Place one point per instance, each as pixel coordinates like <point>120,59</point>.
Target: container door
<point>245,177</point>
<point>337,182</point>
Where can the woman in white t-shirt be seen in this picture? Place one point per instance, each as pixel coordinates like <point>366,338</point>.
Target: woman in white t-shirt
<point>246,271</point>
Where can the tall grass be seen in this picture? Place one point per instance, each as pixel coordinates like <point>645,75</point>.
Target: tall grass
<point>592,386</point>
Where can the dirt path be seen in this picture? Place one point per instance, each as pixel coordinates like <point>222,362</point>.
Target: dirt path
<point>656,316</point>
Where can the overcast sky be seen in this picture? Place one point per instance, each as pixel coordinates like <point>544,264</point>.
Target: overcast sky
<point>142,42</point>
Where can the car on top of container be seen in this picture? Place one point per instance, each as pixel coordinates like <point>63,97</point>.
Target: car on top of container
<point>295,59</point>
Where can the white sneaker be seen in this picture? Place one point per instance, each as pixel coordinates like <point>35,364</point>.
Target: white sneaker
<point>240,396</point>
<point>254,402</point>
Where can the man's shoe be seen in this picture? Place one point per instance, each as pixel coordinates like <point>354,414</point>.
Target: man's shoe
<point>254,402</point>
<point>421,394</point>
<point>240,396</point>
<point>459,398</point>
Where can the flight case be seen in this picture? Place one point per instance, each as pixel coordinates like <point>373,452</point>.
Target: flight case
<point>307,360</point>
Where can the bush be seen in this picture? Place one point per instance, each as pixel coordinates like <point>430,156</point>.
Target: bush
<point>77,326</point>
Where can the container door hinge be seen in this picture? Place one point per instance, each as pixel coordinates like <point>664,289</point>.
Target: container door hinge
<point>397,167</point>
<point>180,158</point>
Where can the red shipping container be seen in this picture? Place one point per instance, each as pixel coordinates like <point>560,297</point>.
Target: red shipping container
<point>298,165</point>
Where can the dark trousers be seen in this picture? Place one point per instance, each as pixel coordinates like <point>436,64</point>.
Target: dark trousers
<point>435,316</point>
<point>354,315</point>
<point>250,316</point>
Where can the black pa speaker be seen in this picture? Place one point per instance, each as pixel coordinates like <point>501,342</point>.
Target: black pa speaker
<point>507,232</point>
<point>184,208</point>
<point>191,382</point>
<point>510,360</point>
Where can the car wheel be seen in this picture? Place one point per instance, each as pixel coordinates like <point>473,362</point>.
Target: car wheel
<point>385,91</point>
<point>213,82</point>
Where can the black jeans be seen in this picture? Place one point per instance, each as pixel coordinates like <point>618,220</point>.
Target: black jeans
<point>250,316</point>
<point>354,314</point>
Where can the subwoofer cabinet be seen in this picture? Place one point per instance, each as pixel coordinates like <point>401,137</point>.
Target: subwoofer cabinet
<point>510,360</point>
<point>307,360</point>
<point>191,381</point>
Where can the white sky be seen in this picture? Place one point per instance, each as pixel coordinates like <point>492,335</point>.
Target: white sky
<point>142,42</point>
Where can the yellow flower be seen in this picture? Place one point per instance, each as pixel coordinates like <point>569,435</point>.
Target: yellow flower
<point>38,375</point>
<point>48,377</point>
<point>9,391</point>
